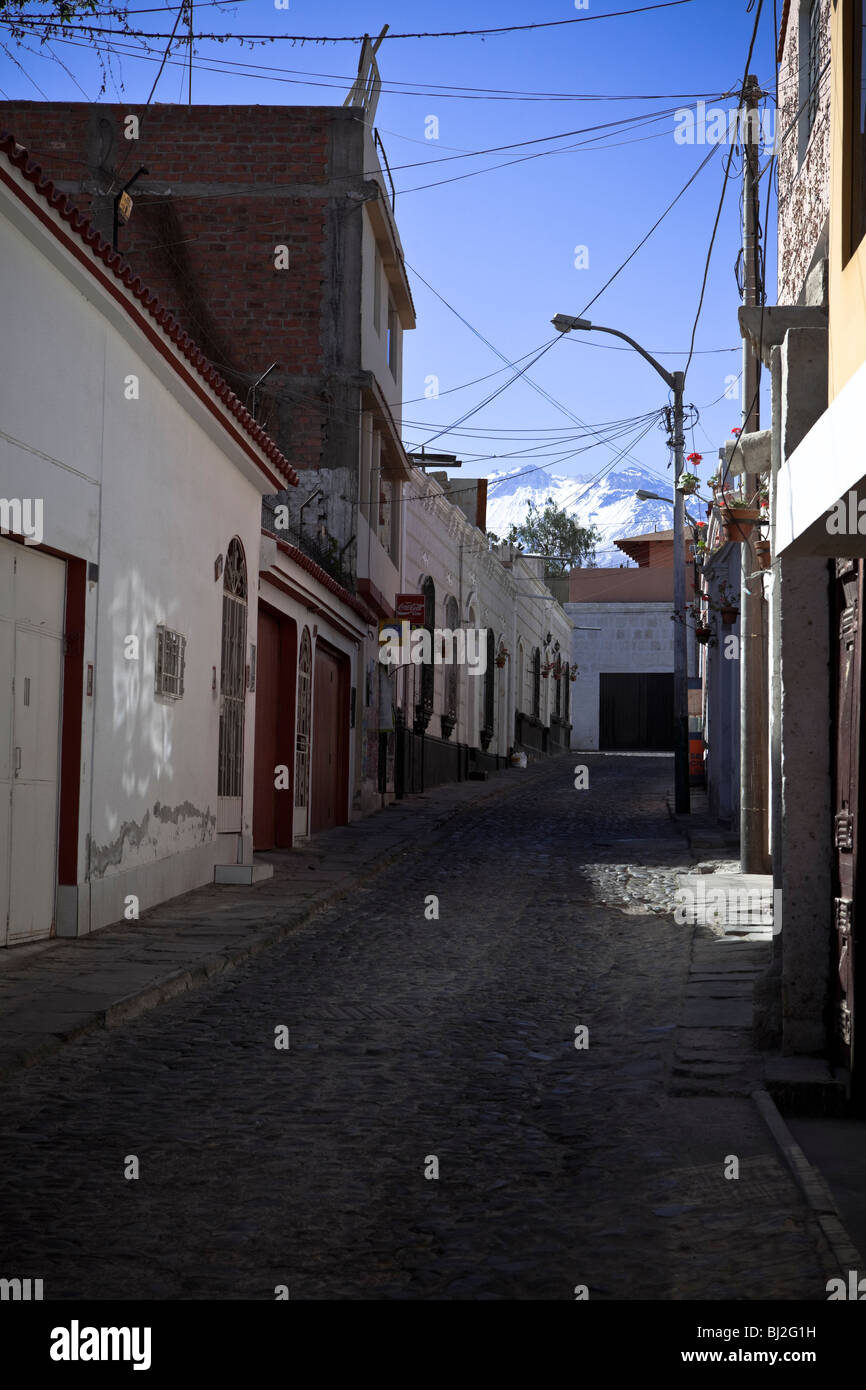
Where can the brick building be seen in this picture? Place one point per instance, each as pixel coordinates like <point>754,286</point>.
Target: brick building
<point>269,233</point>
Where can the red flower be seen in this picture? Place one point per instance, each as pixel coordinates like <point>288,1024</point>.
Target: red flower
<point>735,429</point>
<point>695,458</point>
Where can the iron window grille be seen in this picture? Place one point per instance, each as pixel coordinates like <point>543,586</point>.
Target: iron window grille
<point>170,662</point>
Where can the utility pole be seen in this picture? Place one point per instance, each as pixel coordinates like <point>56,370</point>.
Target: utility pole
<point>682,792</point>
<point>754,739</point>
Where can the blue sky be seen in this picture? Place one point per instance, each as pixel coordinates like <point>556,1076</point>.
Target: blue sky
<point>501,246</point>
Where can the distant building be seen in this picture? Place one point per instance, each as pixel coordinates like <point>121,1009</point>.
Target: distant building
<point>622,647</point>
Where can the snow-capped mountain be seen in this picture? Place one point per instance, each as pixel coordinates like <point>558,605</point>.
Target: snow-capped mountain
<point>609,503</point>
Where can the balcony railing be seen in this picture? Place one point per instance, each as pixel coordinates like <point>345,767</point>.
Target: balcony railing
<point>326,554</point>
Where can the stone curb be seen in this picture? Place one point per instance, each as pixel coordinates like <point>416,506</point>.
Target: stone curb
<point>812,1184</point>
<point>187,978</point>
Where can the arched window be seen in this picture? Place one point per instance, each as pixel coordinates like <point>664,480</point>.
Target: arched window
<point>452,622</point>
<point>302,741</point>
<point>427,670</point>
<point>536,683</point>
<point>488,723</point>
<point>230,776</point>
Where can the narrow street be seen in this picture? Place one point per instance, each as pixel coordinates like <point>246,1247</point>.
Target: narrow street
<point>413,1037</point>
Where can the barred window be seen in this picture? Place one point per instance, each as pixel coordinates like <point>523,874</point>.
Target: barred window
<point>170,657</point>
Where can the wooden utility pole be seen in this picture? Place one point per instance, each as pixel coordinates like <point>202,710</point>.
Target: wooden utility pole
<point>754,734</point>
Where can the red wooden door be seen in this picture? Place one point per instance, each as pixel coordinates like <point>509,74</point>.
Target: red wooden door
<point>276,661</point>
<point>328,784</point>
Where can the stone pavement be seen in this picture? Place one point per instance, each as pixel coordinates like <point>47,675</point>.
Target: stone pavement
<point>434,1017</point>
<point>54,991</point>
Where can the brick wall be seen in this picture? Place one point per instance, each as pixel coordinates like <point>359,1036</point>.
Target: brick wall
<point>226,186</point>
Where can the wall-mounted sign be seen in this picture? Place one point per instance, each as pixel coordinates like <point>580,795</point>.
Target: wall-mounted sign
<point>410,607</point>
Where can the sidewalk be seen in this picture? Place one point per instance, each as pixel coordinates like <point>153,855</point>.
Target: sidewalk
<point>717,1053</point>
<point>57,990</point>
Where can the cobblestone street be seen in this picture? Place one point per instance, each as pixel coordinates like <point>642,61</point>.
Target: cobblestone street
<point>413,1037</point>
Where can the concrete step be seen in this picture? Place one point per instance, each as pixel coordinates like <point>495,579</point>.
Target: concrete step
<point>248,874</point>
<point>805,1086</point>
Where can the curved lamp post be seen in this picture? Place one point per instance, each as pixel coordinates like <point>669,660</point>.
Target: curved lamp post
<point>675,381</point>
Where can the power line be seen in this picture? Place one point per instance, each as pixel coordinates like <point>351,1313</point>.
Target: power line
<point>760,7</point>
<point>359,38</point>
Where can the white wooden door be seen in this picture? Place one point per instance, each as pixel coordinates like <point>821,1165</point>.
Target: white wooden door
<point>32,591</point>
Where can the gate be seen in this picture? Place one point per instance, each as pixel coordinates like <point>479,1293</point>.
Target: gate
<point>848,598</point>
<point>230,778</point>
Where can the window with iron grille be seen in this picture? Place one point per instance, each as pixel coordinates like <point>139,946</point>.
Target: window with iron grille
<point>810,72</point>
<point>233,674</point>
<point>170,657</point>
<point>814,64</point>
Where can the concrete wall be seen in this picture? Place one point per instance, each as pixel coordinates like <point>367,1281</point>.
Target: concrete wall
<point>803,156</point>
<point>631,637</point>
<point>644,585</point>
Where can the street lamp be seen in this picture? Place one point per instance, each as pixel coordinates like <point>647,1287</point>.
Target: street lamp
<point>675,381</point>
<point>643,496</point>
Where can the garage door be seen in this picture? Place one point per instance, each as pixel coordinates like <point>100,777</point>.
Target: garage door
<point>32,592</point>
<point>636,711</point>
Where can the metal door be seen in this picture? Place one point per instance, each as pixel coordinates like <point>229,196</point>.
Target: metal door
<point>328,790</point>
<point>32,595</point>
<point>848,604</point>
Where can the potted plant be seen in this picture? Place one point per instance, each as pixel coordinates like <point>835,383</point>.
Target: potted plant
<point>546,670</point>
<point>688,484</point>
<point>703,633</point>
<point>447,723</point>
<point>572,675</point>
<point>738,519</point>
<point>762,553</point>
<point>728,607</point>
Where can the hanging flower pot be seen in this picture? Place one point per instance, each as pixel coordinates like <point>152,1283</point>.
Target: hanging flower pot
<point>762,553</point>
<point>695,458</point>
<point>703,634</point>
<point>501,660</point>
<point>573,674</point>
<point>729,616</point>
<point>738,523</point>
<point>688,483</point>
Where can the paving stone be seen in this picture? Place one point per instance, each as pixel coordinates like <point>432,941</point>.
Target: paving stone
<point>411,1038</point>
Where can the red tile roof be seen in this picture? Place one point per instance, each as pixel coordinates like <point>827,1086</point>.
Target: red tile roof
<point>80,224</point>
<point>324,578</point>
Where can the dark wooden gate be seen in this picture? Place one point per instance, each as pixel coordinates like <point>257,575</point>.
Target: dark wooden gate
<point>849,607</point>
<point>636,711</point>
<point>276,662</point>
<point>329,771</point>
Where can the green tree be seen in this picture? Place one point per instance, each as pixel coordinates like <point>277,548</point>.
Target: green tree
<point>555,534</point>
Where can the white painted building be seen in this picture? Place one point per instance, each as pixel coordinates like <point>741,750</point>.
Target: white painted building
<point>469,585</point>
<point>128,620</point>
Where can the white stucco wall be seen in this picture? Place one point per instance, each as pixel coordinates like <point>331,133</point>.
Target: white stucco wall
<point>513,602</point>
<point>150,490</point>
<point>630,637</point>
